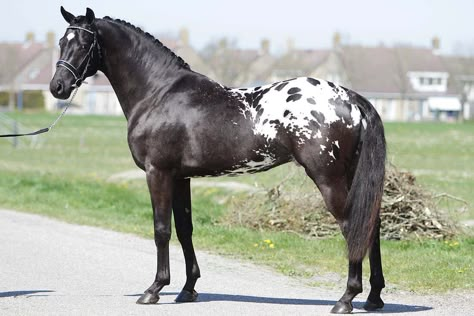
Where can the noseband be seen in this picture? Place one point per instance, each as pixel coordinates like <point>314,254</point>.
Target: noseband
<point>75,71</point>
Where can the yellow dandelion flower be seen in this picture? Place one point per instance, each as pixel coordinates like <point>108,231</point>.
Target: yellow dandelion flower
<point>271,246</point>
<point>267,241</point>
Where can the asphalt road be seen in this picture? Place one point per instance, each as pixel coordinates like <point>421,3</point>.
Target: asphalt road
<point>52,268</point>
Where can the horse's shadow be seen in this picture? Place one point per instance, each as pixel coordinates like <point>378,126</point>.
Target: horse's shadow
<point>24,293</point>
<point>213,297</point>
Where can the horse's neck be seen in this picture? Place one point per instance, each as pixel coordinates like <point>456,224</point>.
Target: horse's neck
<point>136,68</point>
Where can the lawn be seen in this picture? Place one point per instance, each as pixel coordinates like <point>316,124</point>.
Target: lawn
<point>65,175</point>
<point>440,155</point>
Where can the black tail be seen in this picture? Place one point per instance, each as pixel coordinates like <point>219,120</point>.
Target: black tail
<point>365,196</point>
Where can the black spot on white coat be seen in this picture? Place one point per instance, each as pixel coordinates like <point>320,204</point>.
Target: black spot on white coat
<point>294,97</point>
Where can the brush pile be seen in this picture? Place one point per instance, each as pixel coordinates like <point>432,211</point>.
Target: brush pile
<point>408,211</point>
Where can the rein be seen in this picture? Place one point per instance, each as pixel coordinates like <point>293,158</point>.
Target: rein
<point>79,80</point>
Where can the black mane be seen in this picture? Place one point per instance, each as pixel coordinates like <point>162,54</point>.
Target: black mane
<point>150,37</point>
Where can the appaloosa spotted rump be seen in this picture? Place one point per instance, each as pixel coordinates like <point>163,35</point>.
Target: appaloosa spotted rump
<point>183,125</point>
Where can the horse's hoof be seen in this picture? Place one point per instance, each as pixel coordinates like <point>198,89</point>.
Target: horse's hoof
<point>371,305</point>
<point>186,296</point>
<point>148,298</point>
<point>342,308</point>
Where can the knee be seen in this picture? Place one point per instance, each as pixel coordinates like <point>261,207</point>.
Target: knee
<point>162,234</point>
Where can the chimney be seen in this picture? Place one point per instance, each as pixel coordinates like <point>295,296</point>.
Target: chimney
<point>51,39</point>
<point>30,37</point>
<point>184,36</point>
<point>435,43</point>
<point>290,44</point>
<point>265,47</point>
<point>222,44</point>
<point>336,40</point>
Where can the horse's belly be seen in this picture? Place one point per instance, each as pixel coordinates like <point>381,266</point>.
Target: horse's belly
<point>236,161</point>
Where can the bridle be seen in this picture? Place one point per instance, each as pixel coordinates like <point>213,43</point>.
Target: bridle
<point>87,59</point>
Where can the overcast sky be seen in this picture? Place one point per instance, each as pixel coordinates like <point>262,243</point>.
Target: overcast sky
<point>311,23</point>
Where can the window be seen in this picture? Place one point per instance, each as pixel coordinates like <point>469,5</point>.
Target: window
<point>430,81</point>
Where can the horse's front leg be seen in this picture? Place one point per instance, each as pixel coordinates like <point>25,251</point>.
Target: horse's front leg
<point>160,184</point>
<point>184,231</point>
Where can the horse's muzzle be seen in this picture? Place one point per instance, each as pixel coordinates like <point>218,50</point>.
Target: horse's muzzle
<point>59,89</point>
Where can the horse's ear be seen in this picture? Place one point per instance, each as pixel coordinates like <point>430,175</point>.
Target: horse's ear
<point>90,16</point>
<point>67,16</point>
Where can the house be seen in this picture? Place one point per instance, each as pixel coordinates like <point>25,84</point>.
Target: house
<point>404,83</point>
<point>296,62</point>
<point>258,66</point>
<point>25,66</point>
<point>229,64</point>
<point>461,70</point>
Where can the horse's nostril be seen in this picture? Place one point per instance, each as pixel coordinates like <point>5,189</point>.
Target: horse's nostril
<point>59,87</point>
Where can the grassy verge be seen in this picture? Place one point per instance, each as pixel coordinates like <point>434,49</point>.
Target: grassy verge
<point>440,155</point>
<point>65,177</point>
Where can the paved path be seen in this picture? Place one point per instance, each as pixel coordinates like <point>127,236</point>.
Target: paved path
<point>53,268</point>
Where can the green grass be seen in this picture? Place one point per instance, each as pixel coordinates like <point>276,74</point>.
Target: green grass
<point>65,177</point>
<point>441,155</point>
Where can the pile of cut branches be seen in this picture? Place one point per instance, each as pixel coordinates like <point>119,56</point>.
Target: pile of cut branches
<point>408,211</point>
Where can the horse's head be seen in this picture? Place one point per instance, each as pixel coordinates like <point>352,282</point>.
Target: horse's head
<point>79,54</point>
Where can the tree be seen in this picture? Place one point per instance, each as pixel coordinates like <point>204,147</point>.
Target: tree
<point>223,56</point>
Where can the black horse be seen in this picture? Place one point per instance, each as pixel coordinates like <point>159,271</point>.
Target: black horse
<point>182,125</point>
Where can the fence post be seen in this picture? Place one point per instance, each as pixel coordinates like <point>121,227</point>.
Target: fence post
<point>20,100</point>
<point>15,131</point>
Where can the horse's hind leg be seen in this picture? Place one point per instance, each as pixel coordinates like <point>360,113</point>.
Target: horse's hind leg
<point>184,230</point>
<point>335,195</point>
<point>334,181</point>
<point>377,281</point>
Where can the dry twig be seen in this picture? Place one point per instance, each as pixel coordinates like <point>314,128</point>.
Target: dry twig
<point>408,211</point>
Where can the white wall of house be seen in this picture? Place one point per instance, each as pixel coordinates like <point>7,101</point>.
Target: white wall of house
<point>426,81</point>
<point>103,102</point>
